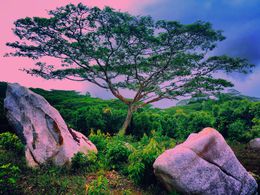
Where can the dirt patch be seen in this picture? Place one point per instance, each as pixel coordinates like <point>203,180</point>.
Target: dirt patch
<point>118,184</point>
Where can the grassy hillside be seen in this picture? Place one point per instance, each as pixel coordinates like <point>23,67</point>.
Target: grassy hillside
<point>123,165</point>
<point>235,118</point>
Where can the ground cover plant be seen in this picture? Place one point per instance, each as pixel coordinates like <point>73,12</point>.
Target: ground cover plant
<point>124,163</point>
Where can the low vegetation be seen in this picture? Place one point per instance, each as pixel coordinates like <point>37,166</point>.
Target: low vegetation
<point>123,164</point>
<point>235,117</point>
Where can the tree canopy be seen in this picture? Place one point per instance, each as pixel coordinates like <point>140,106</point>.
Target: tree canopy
<point>116,50</point>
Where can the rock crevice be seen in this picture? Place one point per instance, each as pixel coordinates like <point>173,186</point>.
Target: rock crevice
<point>214,164</point>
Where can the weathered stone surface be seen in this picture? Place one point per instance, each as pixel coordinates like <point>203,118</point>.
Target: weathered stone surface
<point>42,128</point>
<point>254,144</point>
<point>204,164</point>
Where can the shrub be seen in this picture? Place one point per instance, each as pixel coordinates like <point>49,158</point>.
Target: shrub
<point>80,161</point>
<point>10,141</point>
<point>237,130</point>
<point>8,178</point>
<point>99,139</point>
<point>113,119</point>
<point>254,132</point>
<point>98,186</point>
<point>117,153</point>
<point>256,128</point>
<point>199,120</point>
<point>144,122</point>
<point>140,167</point>
<point>181,121</point>
<point>229,112</point>
<point>165,141</point>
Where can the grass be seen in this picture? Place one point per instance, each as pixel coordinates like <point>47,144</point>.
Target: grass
<point>49,179</point>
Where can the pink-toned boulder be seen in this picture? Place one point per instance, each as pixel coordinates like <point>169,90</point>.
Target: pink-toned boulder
<point>42,128</point>
<point>204,164</point>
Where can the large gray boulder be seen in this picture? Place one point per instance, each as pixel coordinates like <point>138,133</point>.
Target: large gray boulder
<point>254,144</point>
<point>42,129</point>
<point>204,164</point>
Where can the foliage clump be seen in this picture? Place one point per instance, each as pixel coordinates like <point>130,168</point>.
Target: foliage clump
<point>99,139</point>
<point>81,161</point>
<point>10,141</point>
<point>140,167</point>
<point>9,175</point>
<point>98,186</point>
<point>117,153</point>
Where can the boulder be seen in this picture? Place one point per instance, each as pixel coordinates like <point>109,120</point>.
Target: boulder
<point>42,129</point>
<point>204,164</point>
<point>254,144</point>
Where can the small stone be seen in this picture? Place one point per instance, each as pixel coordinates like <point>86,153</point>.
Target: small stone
<point>254,144</point>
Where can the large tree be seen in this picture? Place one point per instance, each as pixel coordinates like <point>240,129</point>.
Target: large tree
<point>116,50</point>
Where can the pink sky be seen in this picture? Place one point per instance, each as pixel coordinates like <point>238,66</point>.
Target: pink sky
<point>12,10</point>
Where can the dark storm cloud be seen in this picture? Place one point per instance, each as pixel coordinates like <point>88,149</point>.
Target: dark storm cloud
<point>239,20</point>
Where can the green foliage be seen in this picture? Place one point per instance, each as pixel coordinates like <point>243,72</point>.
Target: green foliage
<point>255,131</point>
<point>99,139</point>
<point>98,186</point>
<point>181,120</point>
<point>80,161</point>
<point>49,179</point>
<point>237,130</point>
<point>10,141</point>
<point>140,168</point>
<point>117,153</point>
<point>8,178</point>
<point>176,122</point>
<point>144,122</point>
<point>255,109</point>
<point>230,114</point>
<point>199,120</point>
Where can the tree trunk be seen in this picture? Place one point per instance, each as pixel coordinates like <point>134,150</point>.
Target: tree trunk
<point>128,118</point>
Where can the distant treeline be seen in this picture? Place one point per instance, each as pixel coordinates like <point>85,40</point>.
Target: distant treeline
<point>235,117</point>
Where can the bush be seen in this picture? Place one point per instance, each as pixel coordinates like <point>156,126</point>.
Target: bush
<point>199,120</point>
<point>99,139</point>
<point>144,122</point>
<point>254,132</point>
<point>165,141</point>
<point>113,119</point>
<point>237,130</point>
<point>140,167</point>
<point>98,186</point>
<point>117,153</point>
<point>10,141</point>
<point>181,123</point>
<point>8,178</point>
<point>80,161</point>
<point>229,112</point>
<point>87,118</point>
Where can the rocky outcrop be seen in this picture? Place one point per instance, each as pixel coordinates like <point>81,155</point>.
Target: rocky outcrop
<point>204,164</point>
<point>254,144</point>
<point>42,129</point>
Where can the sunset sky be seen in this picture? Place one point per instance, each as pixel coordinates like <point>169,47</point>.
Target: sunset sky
<point>239,19</point>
